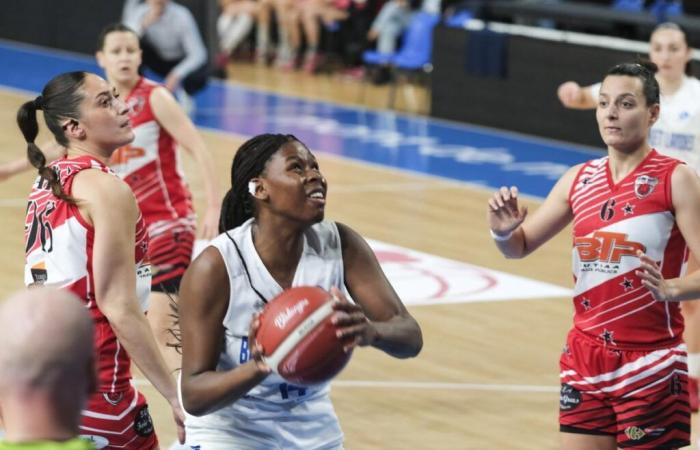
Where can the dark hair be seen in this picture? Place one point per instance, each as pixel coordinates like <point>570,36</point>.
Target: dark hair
<point>60,100</point>
<point>113,28</point>
<point>249,162</point>
<point>675,26</point>
<point>644,70</point>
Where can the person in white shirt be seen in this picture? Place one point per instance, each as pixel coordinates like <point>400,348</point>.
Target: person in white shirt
<point>171,43</point>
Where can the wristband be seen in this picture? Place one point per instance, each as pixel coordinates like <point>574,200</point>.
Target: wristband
<point>500,238</point>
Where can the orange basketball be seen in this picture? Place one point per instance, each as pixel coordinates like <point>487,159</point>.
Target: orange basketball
<point>298,339</point>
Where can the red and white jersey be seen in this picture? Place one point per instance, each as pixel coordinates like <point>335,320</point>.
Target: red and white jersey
<point>612,222</point>
<point>59,252</point>
<point>150,164</point>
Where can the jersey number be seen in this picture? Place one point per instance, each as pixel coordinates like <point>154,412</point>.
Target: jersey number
<point>39,228</point>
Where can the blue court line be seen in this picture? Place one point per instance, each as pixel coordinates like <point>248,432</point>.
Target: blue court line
<point>435,147</point>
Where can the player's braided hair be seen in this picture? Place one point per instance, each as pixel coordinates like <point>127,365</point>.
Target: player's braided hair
<point>60,100</point>
<point>249,162</point>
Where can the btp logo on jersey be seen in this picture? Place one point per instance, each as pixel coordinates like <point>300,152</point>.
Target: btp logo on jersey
<point>606,247</point>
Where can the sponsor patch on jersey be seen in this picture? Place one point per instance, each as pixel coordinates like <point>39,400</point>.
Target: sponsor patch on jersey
<point>634,433</point>
<point>569,398</point>
<point>97,441</point>
<point>644,185</point>
<point>113,398</point>
<point>143,424</point>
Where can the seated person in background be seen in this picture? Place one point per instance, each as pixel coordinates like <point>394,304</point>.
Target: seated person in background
<point>46,369</point>
<point>235,23</point>
<point>171,44</point>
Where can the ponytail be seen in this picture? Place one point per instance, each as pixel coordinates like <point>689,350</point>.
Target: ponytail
<point>26,120</point>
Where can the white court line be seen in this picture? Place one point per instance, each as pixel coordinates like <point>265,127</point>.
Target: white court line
<point>427,385</point>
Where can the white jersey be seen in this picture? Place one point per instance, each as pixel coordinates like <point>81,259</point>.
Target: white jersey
<point>274,414</point>
<point>677,132</point>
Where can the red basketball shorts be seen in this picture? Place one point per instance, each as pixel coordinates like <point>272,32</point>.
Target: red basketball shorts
<point>641,397</point>
<point>170,253</point>
<point>118,421</point>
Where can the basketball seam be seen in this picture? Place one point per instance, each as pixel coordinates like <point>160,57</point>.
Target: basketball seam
<point>300,332</point>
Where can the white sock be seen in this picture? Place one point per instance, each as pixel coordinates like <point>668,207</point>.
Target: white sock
<point>236,32</point>
<point>694,365</point>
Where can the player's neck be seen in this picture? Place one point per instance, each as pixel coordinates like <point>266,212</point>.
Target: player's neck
<point>622,163</point>
<point>670,86</point>
<point>76,151</point>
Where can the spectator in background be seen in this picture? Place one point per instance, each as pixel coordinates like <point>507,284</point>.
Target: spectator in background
<point>47,369</point>
<point>171,44</point>
<point>235,23</point>
<point>390,24</point>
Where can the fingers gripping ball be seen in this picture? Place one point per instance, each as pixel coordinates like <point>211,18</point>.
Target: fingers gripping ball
<point>298,339</point>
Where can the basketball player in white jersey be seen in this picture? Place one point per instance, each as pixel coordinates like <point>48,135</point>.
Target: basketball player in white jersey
<point>84,233</point>
<point>274,237</point>
<point>623,369</point>
<point>676,134</point>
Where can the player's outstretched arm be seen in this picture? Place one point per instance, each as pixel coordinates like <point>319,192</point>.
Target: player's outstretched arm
<point>171,117</point>
<point>518,234</point>
<point>573,96</point>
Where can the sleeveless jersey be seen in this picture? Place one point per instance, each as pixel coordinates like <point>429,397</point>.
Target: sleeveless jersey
<point>59,245</point>
<point>255,420</point>
<point>611,222</point>
<point>150,164</point>
<point>677,131</point>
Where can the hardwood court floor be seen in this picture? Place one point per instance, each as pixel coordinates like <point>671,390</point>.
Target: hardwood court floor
<point>475,385</point>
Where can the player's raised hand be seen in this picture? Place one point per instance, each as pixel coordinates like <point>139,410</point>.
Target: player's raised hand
<point>504,214</point>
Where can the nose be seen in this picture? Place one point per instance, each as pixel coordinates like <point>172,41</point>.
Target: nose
<point>314,175</point>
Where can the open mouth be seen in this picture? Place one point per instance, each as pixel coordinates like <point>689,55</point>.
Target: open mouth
<point>317,195</point>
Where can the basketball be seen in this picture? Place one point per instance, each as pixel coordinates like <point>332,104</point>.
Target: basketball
<point>298,338</point>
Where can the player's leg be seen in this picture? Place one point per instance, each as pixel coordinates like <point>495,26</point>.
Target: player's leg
<point>579,441</point>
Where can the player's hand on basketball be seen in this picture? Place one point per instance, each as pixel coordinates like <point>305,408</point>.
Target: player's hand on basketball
<point>353,327</point>
<point>179,417</point>
<point>209,228</point>
<point>256,350</point>
<point>651,276</point>
<point>504,213</point>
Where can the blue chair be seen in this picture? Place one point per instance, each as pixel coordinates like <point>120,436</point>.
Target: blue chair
<point>628,5</point>
<point>663,9</point>
<point>415,54</point>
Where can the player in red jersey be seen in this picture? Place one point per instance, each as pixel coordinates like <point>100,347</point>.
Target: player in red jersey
<point>150,165</point>
<point>623,368</point>
<point>84,233</point>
